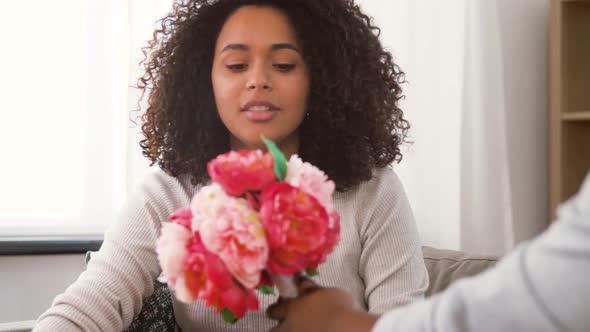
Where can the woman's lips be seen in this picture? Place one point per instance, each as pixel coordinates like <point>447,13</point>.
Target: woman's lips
<point>260,115</point>
<point>260,111</point>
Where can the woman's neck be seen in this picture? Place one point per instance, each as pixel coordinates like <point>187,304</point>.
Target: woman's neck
<point>288,146</point>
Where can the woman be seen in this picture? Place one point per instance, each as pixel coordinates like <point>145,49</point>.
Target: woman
<point>311,76</point>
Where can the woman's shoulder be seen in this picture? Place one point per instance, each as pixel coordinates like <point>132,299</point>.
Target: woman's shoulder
<point>383,179</point>
<point>161,190</point>
<point>384,184</point>
<point>385,175</point>
<point>158,179</point>
<point>379,201</point>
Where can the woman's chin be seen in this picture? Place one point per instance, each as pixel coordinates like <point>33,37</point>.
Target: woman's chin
<point>250,142</point>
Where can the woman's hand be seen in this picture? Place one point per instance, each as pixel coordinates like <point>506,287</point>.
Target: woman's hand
<point>319,309</point>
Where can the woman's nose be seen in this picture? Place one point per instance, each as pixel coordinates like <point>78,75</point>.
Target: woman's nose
<point>258,79</point>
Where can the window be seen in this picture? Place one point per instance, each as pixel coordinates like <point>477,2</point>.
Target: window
<point>70,153</point>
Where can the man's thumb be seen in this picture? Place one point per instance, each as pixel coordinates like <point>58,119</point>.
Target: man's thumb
<point>305,285</point>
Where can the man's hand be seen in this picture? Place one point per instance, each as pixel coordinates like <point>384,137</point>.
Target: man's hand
<point>319,309</point>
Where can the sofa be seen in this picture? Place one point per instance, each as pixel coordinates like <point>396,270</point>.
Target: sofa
<point>444,267</point>
<point>447,266</point>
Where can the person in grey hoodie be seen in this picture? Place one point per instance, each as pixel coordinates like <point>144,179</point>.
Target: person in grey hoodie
<point>543,285</point>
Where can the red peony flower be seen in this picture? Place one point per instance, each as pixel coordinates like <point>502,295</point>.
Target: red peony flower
<point>241,171</point>
<point>222,291</point>
<point>332,237</point>
<point>193,279</point>
<point>193,273</point>
<point>182,217</point>
<point>297,227</point>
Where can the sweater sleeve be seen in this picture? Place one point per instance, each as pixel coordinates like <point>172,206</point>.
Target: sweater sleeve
<point>541,286</point>
<point>391,259</point>
<point>108,295</point>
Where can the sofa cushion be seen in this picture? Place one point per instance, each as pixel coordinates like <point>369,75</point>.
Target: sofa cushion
<point>446,266</point>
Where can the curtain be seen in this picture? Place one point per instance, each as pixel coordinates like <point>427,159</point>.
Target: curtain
<point>476,172</point>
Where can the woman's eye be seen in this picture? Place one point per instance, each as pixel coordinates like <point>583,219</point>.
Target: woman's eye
<point>284,67</point>
<point>237,67</point>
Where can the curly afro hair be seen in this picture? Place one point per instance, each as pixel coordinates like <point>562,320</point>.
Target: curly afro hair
<point>354,123</point>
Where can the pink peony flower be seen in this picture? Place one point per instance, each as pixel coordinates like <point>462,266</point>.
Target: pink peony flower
<point>182,258</point>
<point>297,226</point>
<point>235,233</point>
<point>172,251</point>
<point>194,279</point>
<point>203,275</point>
<point>182,217</point>
<point>206,202</point>
<point>241,171</point>
<point>312,180</point>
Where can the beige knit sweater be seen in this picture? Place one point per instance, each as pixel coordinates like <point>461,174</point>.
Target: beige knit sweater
<point>378,260</point>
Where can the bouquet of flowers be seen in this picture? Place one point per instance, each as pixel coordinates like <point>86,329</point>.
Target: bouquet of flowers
<point>260,221</point>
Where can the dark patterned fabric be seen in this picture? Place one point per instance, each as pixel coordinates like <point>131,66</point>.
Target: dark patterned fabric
<point>157,314</point>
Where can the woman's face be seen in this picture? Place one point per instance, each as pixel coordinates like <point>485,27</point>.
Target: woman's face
<point>260,80</point>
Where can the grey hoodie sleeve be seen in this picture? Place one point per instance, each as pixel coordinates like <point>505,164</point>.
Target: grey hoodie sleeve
<point>543,285</point>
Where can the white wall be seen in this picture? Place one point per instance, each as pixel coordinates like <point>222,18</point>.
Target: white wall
<point>28,284</point>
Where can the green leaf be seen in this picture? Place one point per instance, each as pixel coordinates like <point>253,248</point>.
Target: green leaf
<point>312,272</point>
<point>228,316</point>
<point>267,290</point>
<point>279,158</point>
